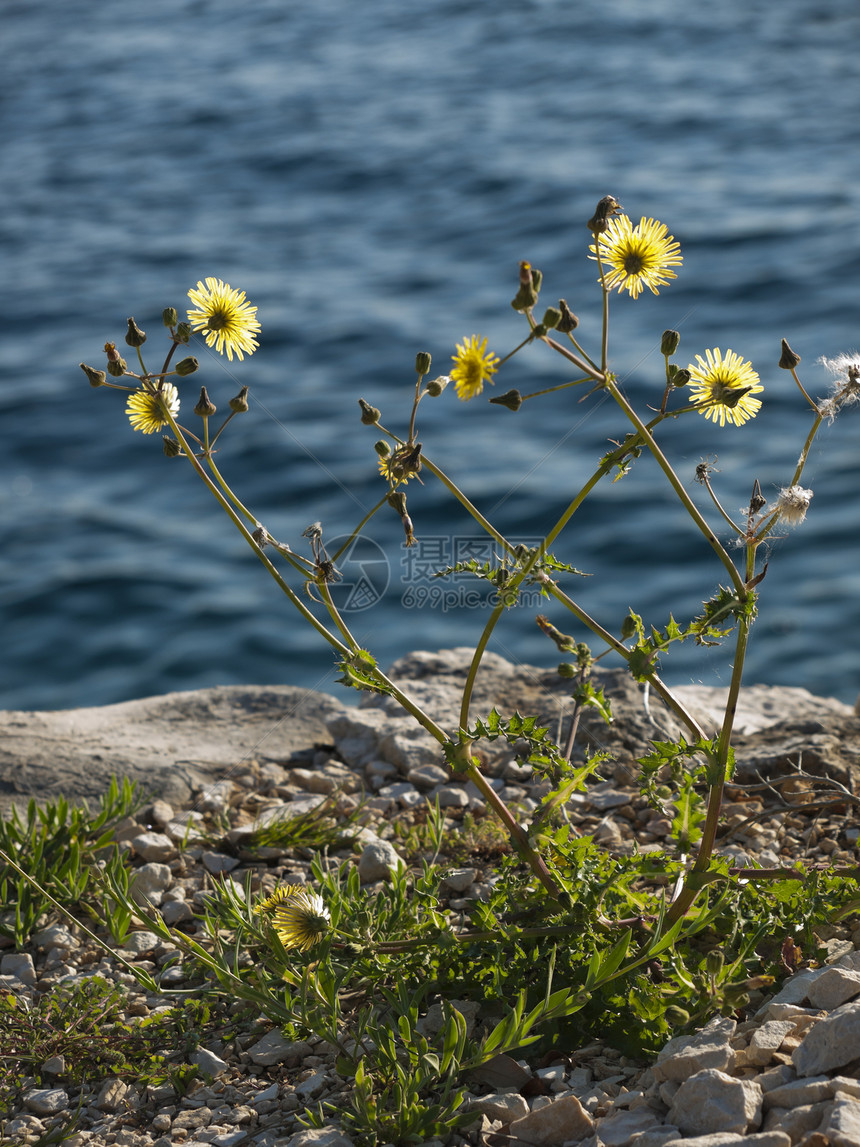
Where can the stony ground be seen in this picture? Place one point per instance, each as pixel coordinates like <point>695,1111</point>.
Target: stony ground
<point>789,1073</point>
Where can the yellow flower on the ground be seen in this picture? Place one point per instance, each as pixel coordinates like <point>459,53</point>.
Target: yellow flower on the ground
<point>473,365</point>
<point>637,257</point>
<point>725,387</point>
<point>299,917</point>
<point>146,410</point>
<point>226,319</point>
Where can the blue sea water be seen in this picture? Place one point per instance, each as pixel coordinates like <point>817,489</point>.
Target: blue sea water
<point>371,175</point>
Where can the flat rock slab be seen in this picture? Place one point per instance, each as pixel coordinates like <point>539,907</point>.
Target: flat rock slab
<point>170,744</point>
<point>175,743</point>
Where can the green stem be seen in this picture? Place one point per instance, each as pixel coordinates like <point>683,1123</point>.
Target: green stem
<point>240,526</point>
<point>676,484</point>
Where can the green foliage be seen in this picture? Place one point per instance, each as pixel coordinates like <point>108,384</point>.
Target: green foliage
<point>58,846</point>
<point>85,1025</point>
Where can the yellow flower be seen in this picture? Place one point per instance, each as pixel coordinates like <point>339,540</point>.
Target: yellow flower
<point>638,256</point>
<point>299,917</point>
<point>724,387</point>
<point>473,364</point>
<point>227,320</point>
<point>146,410</point>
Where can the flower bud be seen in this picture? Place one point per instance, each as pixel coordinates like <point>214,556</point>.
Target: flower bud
<point>422,362</point>
<point>397,501</point>
<point>437,385</point>
<point>788,360</point>
<point>715,962</point>
<point>669,342</point>
<point>369,414</point>
<point>95,377</point>
<point>512,399</point>
<point>134,335</point>
<point>204,408</point>
<point>680,376</point>
<point>676,1017</point>
<point>171,446</point>
<point>116,364</point>
<point>382,448</point>
<point>565,669</point>
<point>599,221</point>
<point>569,322</point>
<point>730,398</point>
<point>628,627</point>
<point>551,318</point>
<point>527,295</point>
<point>169,316</point>
<point>187,366</point>
<point>182,334</point>
<point>239,404</point>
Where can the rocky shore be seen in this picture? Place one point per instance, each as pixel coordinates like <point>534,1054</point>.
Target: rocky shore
<point>789,1073</point>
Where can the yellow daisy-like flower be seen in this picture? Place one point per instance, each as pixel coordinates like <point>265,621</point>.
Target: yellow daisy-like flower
<point>724,387</point>
<point>473,364</point>
<point>299,917</point>
<point>146,411</point>
<point>640,256</point>
<point>226,319</point>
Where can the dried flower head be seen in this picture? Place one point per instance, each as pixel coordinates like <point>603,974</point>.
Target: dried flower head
<point>724,387</point>
<point>401,465</point>
<point>792,504</point>
<point>300,918</point>
<point>845,388</point>
<point>640,256</point>
<point>473,365</point>
<point>227,321</point>
<point>147,410</point>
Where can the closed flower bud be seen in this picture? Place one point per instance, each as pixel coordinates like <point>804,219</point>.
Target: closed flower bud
<point>369,414</point>
<point>715,962</point>
<point>422,362</point>
<point>680,376</point>
<point>599,221</point>
<point>676,1017</point>
<point>134,335</point>
<point>788,360</point>
<point>568,322</point>
<point>182,334</point>
<point>437,385</point>
<point>628,627</point>
<point>397,501</point>
<point>512,399</point>
<point>187,366</point>
<point>382,448</point>
<point>171,447</point>
<point>669,342</point>
<point>551,318</point>
<point>239,404</point>
<point>527,295</point>
<point>169,316</point>
<point>565,669</point>
<point>95,377</point>
<point>204,408</point>
<point>116,364</point>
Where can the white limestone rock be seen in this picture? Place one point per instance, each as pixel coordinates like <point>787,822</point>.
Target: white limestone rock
<point>711,1101</point>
